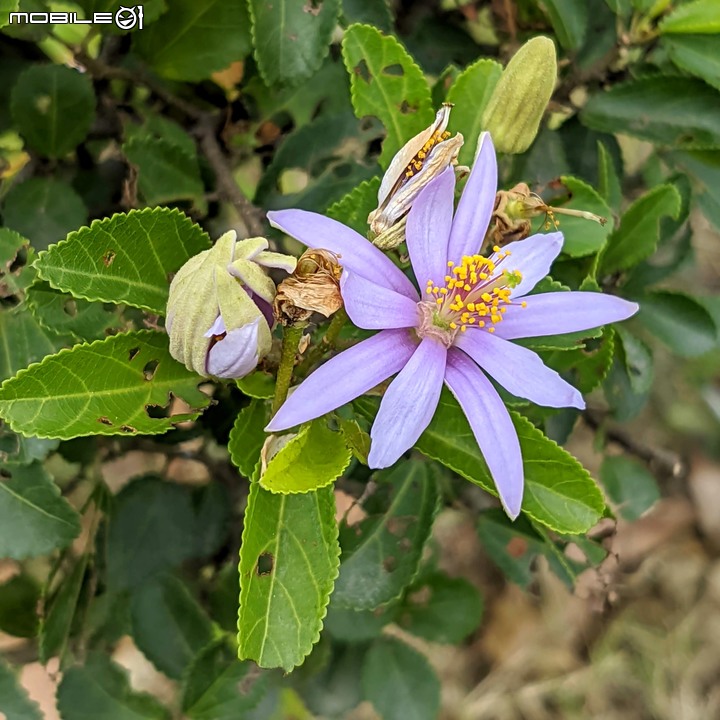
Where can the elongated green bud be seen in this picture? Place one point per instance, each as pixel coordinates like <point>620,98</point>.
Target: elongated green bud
<point>513,114</point>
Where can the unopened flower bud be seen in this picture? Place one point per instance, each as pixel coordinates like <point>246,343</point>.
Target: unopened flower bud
<point>420,160</point>
<point>219,312</point>
<point>515,108</point>
<point>313,287</point>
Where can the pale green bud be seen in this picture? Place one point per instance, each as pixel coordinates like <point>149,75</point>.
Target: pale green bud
<point>219,312</point>
<point>515,109</point>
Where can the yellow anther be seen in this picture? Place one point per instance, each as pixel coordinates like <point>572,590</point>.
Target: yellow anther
<point>491,329</point>
<point>436,290</point>
<point>447,278</point>
<point>481,323</point>
<point>453,326</point>
<point>495,318</point>
<point>443,291</point>
<point>439,301</point>
<point>421,155</point>
<point>486,297</point>
<point>503,309</point>
<point>523,304</point>
<point>483,276</point>
<point>429,290</point>
<point>471,321</point>
<point>471,307</point>
<point>466,287</point>
<point>450,263</point>
<point>496,248</point>
<point>463,328</point>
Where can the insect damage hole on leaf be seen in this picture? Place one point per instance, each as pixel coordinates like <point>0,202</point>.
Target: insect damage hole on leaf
<point>395,69</point>
<point>70,307</point>
<point>5,474</point>
<point>133,353</point>
<point>128,429</point>
<point>105,420</point>
<point>406,108</point>
<point>150,369</point>
<point>265,564</point>
<point>158,412</point>
<point>108,258</point>
<point>363,71</point>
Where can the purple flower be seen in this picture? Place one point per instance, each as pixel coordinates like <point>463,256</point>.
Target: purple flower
<point>457,332</point>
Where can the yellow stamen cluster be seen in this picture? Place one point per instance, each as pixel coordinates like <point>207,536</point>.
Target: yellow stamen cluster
<point>476,292</point>
<point>416,163</point>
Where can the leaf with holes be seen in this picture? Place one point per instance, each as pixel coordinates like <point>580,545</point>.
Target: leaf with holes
<point>16,703</point>
<point>288,564</point>
<point>386,82</point>
<point>291,38</point>
<point>34,517</point>
<point>16,258</point>
<point>168,625</point>
<point>61,312</point>
<point>381,554</point>
<point>119,386</point>
<point>101,689</point>
<point>53,106</point>
<point>217,686</point>
<point>314,458</point>
<point>128,258</point>
<point>194,39</point>
<point>470,93</point>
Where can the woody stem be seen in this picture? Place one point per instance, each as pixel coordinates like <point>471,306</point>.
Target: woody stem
<point>291,340</point>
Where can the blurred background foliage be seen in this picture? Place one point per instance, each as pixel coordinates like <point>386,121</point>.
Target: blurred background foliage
<point>126,604</point>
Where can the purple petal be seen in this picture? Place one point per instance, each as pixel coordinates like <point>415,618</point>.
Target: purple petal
<point>533,258</point>
<point>356,253</point>
<point>345,377</point>
<point>562,312</point>
<point>236,354</point>
<point>476,204</point>
<point>264,306</point>
<point>428,228</point>
<point>519,370</point>
<point>491,425</point>
<point>374,307</point>
<point>408,405</point>
<point>217,328</point>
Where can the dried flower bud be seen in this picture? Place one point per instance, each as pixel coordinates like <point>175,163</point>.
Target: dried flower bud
<point>420,160</point>
<point>313,287</point>
<point>515,108</point>
<point>219,311</point>
<point>515,207</point>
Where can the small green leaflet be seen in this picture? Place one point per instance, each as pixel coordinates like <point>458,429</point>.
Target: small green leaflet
<point>128,258</point>
<point>314,458</point>
<point>248,436</point>
<point>401,100</point>
<point>630,486</point>
<point>700,16</point>
<point>288,565</point>
<point>34,517</point>
<point>120,385</point>
<point>16,704</point>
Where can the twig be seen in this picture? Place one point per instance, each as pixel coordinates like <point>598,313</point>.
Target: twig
<point>664,461</point>
<point>327,343</point>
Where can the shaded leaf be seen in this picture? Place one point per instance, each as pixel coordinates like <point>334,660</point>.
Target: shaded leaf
<point>127,258</point>
<point>34,517</point>
<point>311,460</point>
<point>16,704</point>
<point>53,107</point>
<point>697,54</point>
<point>372,12</point>
<point>386,83</point>
<point>353,209</point>
<point>381,554</point>
<point>638,360</point>
<point>354,626</point>
<point>109,387</point>
<point>569,20</point>
<point>399,682</point>
<point>19,597</point>
<point>291,38</point>
<point>630,487</point>
<point>287,572</point>
<point>608,180</point>
<point>248,435</point>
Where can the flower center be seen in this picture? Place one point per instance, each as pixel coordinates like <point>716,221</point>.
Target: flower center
<point>476,293</point>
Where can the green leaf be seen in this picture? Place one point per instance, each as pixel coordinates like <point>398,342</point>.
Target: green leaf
<point>16,704</point>
<point>569,20</point>
<point>371,12</point>
<point>355,626</point>
<point>399,682</point>
<point>630,487</point>
<point>353,209</point>
<point>61,312</point>
<point>441,609</point>
<point>290,38</point>
<point>248,436</point>
<point>638,360</point>
<point>314,458</point>
<point>257,384</point>
<point>676,111</point>
<point>639,231</point>
<point>165,171</point>
<point>288,564</point>
<point>16,257</point>
<point>194,40</point>
<point>110,387</point>
<point>53,106</point>
<point>697,54</point>
<point>356,438</point>
<point>127,258</point>
<point>608,180</point>
<point>44,210</point>
<point>680,321</point>
<point>168,625</point>
<point>381,554</point>
<point>559,492</point>
<point>624,400</point>
<point>100,689</point>
<point>583,237</point>
<point>19,598</point>
<point>588,366</point>
<point>701,16</point>
<point>386,83</point>
<point>470,93</point>
<point>6,7</point>
<point>217,686</point>
<point>150,512</point>
<point>34,517</point>
<point>23,341</point>
<point>59,611</point>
